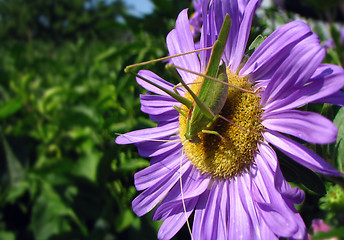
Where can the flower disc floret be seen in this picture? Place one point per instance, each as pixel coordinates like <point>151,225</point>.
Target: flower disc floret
<point>231,152</point>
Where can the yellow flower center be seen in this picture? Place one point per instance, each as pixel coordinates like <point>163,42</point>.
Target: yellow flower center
<point>229,155</point>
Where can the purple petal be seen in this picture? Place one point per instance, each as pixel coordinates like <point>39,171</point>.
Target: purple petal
<point>300,153</point>
<point>245,183</point>
<point>296,69</point>
<point>273,50</point>
<point>242,5</point>
<point>282,186</point>
<point>148,134</point>
<point>221,8</point>
<point>209,228</point>
<point>194,184</point>
<point>180,40</point>
<point>204,55</point>
<point>199,215</point>
<point>147,200</point>
<point>222,230</point>
<point>156,104</point>
<point>173,211</point>
<point>279,222</point>
<point>166,117</point>
<point>266,233</point>
<point>244,32</point>
<point>240,223</point>
<point>160,108</point>
<point>152,148</point>
<point>273,208</point>
<point>309,126</point>
<point>155,79</point>
<point>173,223</point>
<point>261,84</point>
<point>296,195</point>
<point>336,99</point>
<point>157,171</point>
<point>312,92</point>
<point>273,214</point>
<point>326,69</point>
<point>302,230</point>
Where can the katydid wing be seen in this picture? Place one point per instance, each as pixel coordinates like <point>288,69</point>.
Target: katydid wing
<point>212,95</point>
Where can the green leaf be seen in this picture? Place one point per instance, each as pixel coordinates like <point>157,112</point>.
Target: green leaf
<point>15,169</point>
<point>17,191</point>
<point>7,235</point>
<point>50,215</point>
<point>10,107</point>
<point>47,102</point>
<point>106,54</point>
<point>339,122</point>
<point>134,164</point>
<point>81,115</point>
<point>334,55</point>
<point>333,201</point>
<point>256,42</point>
<point>87,165</point>
<point>124,220</point>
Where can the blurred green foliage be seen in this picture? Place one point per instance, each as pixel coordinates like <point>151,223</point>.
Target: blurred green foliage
<point>64,98</point>
<point>59,20</point>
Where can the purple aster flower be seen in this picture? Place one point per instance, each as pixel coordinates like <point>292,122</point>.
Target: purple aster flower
<point>329,44</point>
<point>233,185</point>
<point>196,18</point>
<point>319,225</point>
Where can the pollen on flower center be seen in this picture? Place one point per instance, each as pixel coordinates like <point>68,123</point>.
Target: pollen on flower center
<point>230,155</point>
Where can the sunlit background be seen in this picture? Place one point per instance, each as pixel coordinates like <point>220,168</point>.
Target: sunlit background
<point>64,98</point>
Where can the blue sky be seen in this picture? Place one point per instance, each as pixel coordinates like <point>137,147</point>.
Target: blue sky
<point>139,7</point>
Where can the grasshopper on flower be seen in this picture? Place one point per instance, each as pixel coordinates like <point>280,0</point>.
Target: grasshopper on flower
<point>211,96</point>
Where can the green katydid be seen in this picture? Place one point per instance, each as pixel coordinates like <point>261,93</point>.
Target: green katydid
<point>211,96</point>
